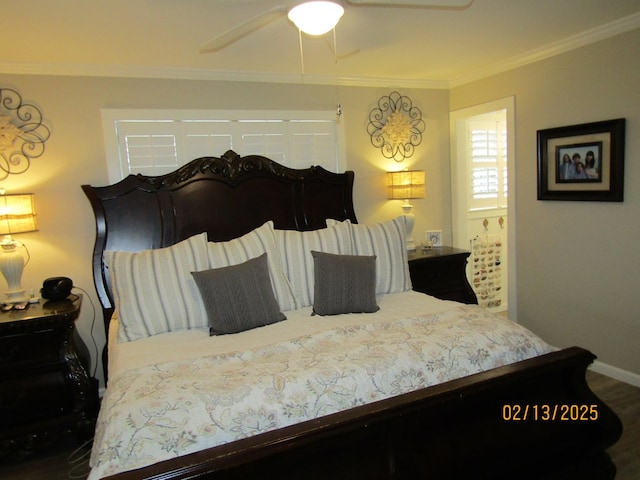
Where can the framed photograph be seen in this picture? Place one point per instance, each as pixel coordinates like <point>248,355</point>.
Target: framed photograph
<point>582,162</point>
<point>434,238</point>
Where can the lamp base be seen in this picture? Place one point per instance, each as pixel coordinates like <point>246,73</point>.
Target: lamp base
<point>11,266</point>
<point>410,220</point>
<point>19,296</point>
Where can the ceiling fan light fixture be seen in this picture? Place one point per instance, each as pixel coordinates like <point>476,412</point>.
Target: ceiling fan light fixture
<point>316,17</point>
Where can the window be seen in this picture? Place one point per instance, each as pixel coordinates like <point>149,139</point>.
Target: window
<point>488,166</point>
<point>153,142</point>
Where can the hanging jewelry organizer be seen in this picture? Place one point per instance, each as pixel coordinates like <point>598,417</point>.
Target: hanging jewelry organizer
<point>487,267</point>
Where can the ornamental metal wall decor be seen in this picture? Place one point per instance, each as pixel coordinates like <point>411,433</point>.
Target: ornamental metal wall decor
<point>396,126</point>
<point>22,133</point>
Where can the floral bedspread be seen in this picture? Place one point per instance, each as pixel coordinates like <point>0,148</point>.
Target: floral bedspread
<point>171,409</point>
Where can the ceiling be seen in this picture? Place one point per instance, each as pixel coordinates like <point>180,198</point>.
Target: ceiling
<point>377,45</point>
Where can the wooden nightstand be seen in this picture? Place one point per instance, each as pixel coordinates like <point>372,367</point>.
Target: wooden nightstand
<point>441,272</point>
<point>44,385</point>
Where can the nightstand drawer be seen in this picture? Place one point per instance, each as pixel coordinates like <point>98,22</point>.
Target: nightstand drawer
<point>441,272</point>
<point>41,397</point>
<point>21,351</point>
<point>434,276</point>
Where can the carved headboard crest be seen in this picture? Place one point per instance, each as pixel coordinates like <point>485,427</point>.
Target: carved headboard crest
<point>229,166</point>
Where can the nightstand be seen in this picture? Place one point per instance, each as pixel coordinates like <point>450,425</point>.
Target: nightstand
<point>441,272</point>
<point>44,385</point>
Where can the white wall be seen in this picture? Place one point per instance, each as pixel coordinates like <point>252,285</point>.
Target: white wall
<point>577,262</point>
<point>75,155</point>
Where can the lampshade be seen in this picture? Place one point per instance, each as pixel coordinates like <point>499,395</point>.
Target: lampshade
<point>317,17</point>
<point>17,213</point>
<point>405,184</point>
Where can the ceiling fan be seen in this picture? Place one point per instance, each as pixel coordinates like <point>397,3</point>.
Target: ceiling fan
<point>292,11</point>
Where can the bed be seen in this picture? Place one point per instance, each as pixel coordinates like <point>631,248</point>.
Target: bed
<point>256,329</point>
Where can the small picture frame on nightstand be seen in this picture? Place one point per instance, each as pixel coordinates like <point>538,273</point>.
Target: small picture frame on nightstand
<point>433,238</point>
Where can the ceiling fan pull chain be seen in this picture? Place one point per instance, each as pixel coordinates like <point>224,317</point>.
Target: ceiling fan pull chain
<point>301,52</point>
<point>335,47</point>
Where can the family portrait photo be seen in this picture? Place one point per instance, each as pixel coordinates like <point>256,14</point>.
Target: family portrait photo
<point>579,163</point>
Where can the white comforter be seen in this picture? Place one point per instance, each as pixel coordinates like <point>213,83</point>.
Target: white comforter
<point>214,390</point>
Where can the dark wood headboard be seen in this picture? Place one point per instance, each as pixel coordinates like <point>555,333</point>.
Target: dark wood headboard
<point>225,197</point>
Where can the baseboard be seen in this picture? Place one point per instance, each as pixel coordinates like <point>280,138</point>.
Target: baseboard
<point>617,373</point>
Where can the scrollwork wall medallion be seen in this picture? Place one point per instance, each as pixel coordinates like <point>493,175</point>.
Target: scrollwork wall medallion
<point>395,126</point>
<point>22,133</point>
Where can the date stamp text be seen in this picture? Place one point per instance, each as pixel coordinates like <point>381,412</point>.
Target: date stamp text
<point>549,413</point>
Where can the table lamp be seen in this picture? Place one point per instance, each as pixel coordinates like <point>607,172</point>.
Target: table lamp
<point>17,215</point>
<point>405,185</point>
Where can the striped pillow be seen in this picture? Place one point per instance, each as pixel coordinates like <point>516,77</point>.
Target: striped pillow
<point>385,240</point>
<point>295,253</point>
<point>249,246</point>
<point>154,291</point>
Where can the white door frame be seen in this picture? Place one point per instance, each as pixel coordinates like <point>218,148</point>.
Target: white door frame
<point>457,121</point>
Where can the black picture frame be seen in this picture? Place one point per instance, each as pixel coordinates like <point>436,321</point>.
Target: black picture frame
<point>595,171</point>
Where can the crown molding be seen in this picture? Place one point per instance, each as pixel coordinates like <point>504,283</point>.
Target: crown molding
<point>126,71</point>
<point>602,32</point>
<point>573,42</point>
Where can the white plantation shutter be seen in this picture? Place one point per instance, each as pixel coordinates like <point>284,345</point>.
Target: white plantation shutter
<point>204,136</point>
<point>148,150</point>
<point>488,166</point>
<point>158,142</point>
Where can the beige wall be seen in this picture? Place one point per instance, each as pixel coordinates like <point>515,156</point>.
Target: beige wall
<point>74,155</point>
<point>577,262</point>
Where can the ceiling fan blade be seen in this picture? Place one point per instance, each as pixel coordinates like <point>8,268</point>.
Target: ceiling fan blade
<point>236,33</point>
<point>415,3</point>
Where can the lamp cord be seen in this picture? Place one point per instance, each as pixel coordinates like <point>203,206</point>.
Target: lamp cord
<point>78,460</point>
<point>28,254</point>
<point>93,322</point>
<point>20,244</point>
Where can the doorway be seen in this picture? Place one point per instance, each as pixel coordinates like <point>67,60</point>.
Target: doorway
<point>483,182</point>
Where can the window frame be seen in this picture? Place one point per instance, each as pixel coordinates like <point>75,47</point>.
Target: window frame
<point>113,119</point>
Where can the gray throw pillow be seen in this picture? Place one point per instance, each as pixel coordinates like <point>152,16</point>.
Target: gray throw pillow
<point>344,284</point>
<point>238,297</point>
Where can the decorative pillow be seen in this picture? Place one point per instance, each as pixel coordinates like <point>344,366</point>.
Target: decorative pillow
<point>256,242</point>
<point>385,240</point>
<point>295,253</point>
<point>238,297</point>
<point>344,284</point>
<point>154,291</point>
